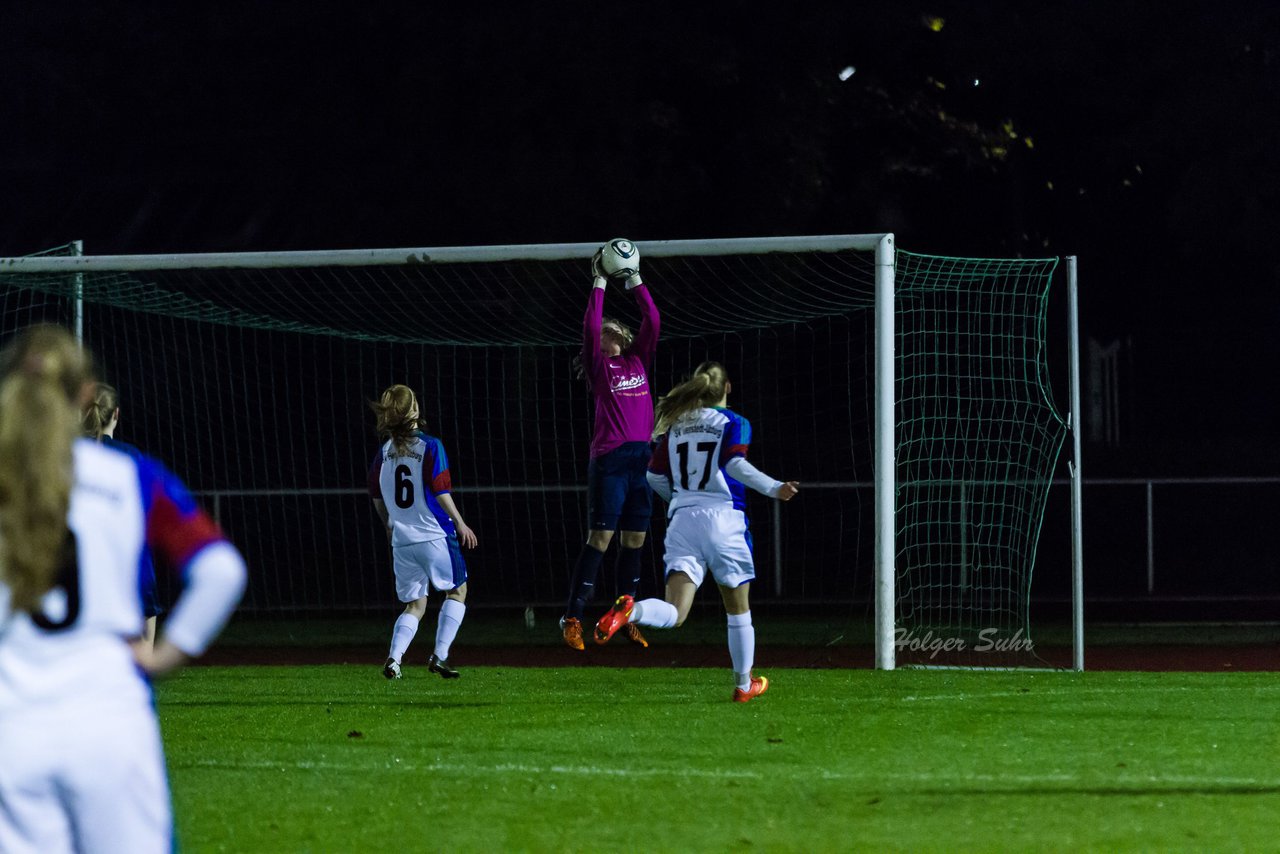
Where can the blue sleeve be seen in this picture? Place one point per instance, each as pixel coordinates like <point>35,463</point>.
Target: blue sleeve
<point>436,477</point>
<point>737,437</point>
<point>176,528</point>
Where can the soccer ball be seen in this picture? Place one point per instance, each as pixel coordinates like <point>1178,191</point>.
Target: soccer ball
<point>620,257</point>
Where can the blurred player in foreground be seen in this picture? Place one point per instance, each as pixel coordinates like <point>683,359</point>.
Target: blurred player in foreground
<point>409,483</point>
<point>617,369</point>
<point>700,469</point>
<point>81,762</point>
<point>101,417</point>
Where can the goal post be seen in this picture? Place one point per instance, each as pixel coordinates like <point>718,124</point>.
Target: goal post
<point>832,342</point>
<point>1077,475</point>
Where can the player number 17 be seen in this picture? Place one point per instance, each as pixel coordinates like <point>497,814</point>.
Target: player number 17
<point>682,451</point>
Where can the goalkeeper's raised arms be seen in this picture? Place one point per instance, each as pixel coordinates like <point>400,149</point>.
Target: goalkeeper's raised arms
<point>598,278</point>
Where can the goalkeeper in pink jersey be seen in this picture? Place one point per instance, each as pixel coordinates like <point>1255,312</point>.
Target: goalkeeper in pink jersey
<point>617,367</point>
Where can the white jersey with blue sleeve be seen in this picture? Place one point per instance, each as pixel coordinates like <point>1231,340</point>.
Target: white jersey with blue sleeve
<point>75,645</point>
<point>696,456</point>
<point>408,484</point>
<point>81,760</point>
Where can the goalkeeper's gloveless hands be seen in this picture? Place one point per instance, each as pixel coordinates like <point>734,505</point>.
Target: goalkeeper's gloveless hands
<point>598,278</point>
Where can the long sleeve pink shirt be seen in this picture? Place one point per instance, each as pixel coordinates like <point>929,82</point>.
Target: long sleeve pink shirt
<point>620,384</point>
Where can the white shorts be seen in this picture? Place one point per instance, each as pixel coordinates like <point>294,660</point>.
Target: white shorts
<point>701,538</point>
<point>420,566</point>
<point>89,777</point>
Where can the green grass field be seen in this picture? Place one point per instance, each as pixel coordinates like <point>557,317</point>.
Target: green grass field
<point>334,758</point>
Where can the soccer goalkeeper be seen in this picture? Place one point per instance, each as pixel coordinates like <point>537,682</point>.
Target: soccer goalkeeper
<point>616,366</point>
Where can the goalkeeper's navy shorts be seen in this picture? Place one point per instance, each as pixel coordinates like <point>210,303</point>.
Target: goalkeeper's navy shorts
<point>618,496</point>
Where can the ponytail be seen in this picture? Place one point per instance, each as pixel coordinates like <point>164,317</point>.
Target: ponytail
<point>99,411</point>
<point>42,373</point>
<point>396,414</point>
<point>705,388</point>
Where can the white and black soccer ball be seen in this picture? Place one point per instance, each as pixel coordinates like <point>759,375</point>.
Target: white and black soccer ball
<point>620,258</point>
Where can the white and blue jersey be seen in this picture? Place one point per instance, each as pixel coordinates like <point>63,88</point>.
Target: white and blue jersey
<point>74,646</point>
<point>150,597</point>
<point>81,761</point>
<point>692,455</point>
<point>408,484</point>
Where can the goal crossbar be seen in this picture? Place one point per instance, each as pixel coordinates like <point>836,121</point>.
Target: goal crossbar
<point>437,255</point>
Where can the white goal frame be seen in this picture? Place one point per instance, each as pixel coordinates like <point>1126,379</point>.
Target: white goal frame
<point>884,430</point>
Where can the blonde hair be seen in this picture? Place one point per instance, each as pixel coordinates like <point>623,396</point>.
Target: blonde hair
<point>99,411</point>
<point>394,421</point>
<point>42,372</point>
<point>705,388</point>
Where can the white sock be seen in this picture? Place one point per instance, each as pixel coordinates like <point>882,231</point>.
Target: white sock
<point>655,612</point>
<point>742,648</point>
<point>402,635</point>
<point>451,614</point>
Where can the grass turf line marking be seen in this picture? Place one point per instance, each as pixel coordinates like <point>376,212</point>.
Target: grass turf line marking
<point>1144,784</point>
<point>504,768</point>
<point>1075,691</point>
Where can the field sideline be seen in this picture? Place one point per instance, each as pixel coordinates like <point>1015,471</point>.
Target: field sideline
<point>334,758</point>
<point>501,638</point>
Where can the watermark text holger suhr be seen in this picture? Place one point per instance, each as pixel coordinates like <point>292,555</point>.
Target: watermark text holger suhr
<point>989,640</point>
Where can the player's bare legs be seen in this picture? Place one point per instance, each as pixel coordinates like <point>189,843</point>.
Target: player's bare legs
<point>633,539</point>
<point>680,593</point>
<point>736,599</point>
<point>417,608</point>
<point>599,540</point>
<point>666,613</point>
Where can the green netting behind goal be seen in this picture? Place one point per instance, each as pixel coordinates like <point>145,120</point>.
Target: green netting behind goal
<point>978,443</point>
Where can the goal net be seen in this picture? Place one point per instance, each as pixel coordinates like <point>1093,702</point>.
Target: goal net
<point>250,375</point>
<point>977,443</point>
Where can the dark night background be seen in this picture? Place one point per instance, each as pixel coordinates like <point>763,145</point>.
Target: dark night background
<point>1140,136</point>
